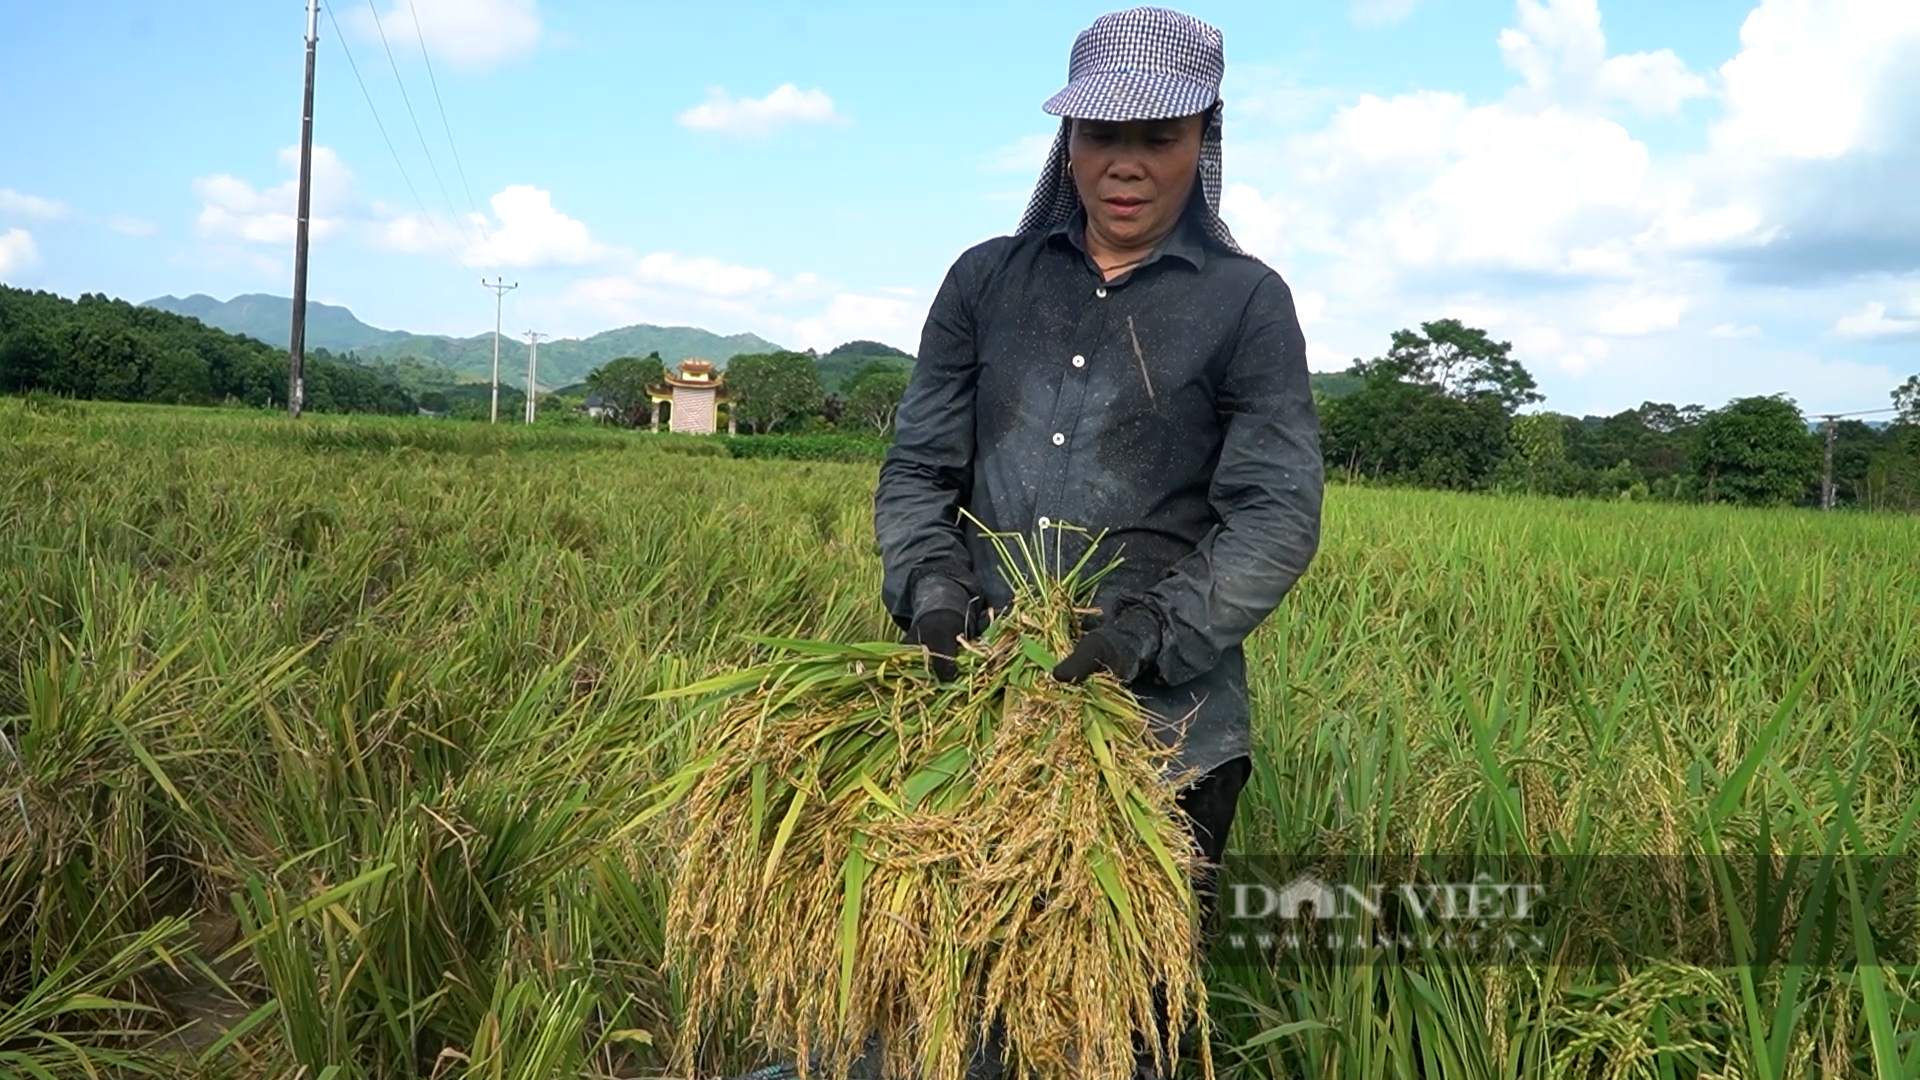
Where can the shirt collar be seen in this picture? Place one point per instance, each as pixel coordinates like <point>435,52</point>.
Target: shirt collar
<point>1184,242</point>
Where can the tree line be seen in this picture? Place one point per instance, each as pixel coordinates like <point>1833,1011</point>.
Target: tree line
<point>1442,410</point>
<point>106,349</point>
<point>777,392</point>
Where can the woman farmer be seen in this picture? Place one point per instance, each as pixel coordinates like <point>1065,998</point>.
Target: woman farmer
<point>1120,365</point>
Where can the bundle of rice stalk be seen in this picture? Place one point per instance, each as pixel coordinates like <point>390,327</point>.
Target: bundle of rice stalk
<point>863,852</point>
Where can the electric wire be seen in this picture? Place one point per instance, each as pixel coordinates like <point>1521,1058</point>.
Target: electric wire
<point>479,219</point>
<point>422,135</point>
<point>384,137</point>
<point>1861,412</point>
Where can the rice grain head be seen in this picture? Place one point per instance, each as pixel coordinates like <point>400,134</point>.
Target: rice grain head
<point>861,851</point>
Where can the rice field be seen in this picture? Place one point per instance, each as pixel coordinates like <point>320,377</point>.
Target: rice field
<point>326,748</point>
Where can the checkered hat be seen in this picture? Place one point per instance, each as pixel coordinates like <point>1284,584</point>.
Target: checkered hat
<point>1145,63</point>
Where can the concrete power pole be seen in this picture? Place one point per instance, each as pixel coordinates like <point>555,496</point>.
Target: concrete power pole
<point>500,291</point>
<point>297,346</point>
<point>1826,484</point>
<point>533,364</point>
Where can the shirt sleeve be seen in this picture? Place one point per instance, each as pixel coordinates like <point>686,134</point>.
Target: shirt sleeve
<point>1266,494</point>
<point>927,476</point>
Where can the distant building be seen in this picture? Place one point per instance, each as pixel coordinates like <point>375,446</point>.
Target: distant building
<point>694,395</point>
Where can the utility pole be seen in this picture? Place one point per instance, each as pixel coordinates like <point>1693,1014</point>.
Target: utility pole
<point>297,347</point>
<point>533,361</point>
<point>1826,485</point>
<point>499,292</point>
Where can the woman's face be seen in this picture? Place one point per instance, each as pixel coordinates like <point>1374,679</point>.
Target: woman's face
<point>1134,176</point>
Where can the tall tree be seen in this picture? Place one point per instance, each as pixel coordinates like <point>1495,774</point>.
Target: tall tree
<point>1411,433</point>
<point>1459,361</point>
<point>1536,460</point>
<point>1756,451</point>
<point>1433,412</point>
<point>769,389</point>
<point>623,384</point>
<point>26,358</point>
<point>875,398</point>
<point>1906,398</point>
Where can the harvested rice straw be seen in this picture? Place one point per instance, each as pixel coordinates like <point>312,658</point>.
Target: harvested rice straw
<point>864,850</point>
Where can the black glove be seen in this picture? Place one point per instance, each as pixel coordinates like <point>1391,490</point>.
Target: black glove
<point>939,630</point>
<point>1119,649</point>
<point>1097,651</point>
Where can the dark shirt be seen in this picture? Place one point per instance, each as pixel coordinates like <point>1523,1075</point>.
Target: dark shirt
<point>1168,408</point>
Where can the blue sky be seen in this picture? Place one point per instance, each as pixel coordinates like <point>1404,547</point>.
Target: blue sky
<point>1651,200</point>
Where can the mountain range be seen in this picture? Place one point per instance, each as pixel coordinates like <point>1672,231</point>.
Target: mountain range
<point>562,361</point>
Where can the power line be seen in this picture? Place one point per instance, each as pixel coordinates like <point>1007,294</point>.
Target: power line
<point>479,219</point>
<point>408,102</point>
<point>415,192</point>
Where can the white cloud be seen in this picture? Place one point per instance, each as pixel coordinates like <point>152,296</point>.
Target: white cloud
<point>17,252</point>
<point>1543,205</point>
<point>1429,183</point>
<point>231,208</point>
<point>786,104</point>
<point>1644,315</point>
<point>1648,82</point>
<point>1259,225</point>
<point>800,311</point>
<point>530,232</point>
<point>851,316</point>
<point>526,230</point>
<point>465,33</point>
<point>1484,317</point>
<point>1872,321</point>
<point>1820,136</point>
<point>1027,154</point>
<point>1812,79</point>
<point>126,225</point>
<point>413,232</point>
<point>1561,53</point>
<point>701,275</point>
<point>645,285</point>
<point>32,206</point>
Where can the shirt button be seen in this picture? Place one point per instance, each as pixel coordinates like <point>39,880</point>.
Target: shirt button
<point>1059,439</point>
<point>1079,361</point>
<point>1101,292</point>
<point>1046,522</point>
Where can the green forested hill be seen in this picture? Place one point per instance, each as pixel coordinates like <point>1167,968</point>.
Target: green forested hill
<point>267,318</point>
<point>106,349</point>
<point>567,360</point>
<point>838,367</point>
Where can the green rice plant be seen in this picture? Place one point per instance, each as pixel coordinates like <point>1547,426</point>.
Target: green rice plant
<point>68,1024</point>
<point>238,651</point>
<point>870,853</point>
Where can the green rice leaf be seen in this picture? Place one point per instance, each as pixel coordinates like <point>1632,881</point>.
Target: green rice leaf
<point>785,833</point>
<point>881,797</point>
<point>1037,655</point>
<point>1108,875</point>
<point>853,887</point>
<point>1148,825</point>
<point>933,775</point>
